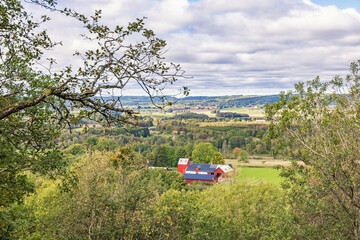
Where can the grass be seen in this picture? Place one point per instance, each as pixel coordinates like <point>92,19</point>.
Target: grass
<point>270,175</point>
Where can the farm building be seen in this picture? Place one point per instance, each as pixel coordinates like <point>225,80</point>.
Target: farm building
<point>200,177</point>
<point>183,164</point>
<point>152,129</point>
<point>202,171</point>
<point>178,132</point>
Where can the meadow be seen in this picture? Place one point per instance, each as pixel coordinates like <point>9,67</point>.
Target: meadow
<point>256,174</point>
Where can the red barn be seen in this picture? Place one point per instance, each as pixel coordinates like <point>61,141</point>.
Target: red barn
<point>225,170</point>
<point>183,164</point>
<point>204,168</point>
<point>200,177</point>
<point>202,171</point>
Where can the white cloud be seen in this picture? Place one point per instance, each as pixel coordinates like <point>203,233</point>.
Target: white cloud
<point>231,46</point>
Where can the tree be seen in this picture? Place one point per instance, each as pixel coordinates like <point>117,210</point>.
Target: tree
<point>204,153</point>
<point>237,141</point>
<point>75,149</point>
<point>180,153</point>
<point>162,180</point>
<point>163,156</point>
<point>36,102</point>
<point>319,125</point>
<point>189,149</point>
<point>106,144</point>
<point>107,202</point>
<point>236,152</point>
<point>253,211</point>
<point>91,142</point>
<point>243,155</point>
<point>110,200</point>
<point>218,159</point>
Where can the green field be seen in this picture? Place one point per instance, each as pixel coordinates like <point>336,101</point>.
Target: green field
<point>257,174</point>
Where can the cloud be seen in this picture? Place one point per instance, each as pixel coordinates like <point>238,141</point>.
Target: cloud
<point>235,47</point>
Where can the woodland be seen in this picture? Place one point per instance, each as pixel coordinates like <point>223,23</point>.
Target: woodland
<point>75,164</point>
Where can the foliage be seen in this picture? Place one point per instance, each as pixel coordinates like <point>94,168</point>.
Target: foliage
<point>249,101</point>
<point>237,141</point>
<point>109,202</point>
<point>106,144</point>
<point>204,153</point>
<point>236,151</point>
<point>249,137</point>
<point>191,115</point>
<point>224,211</point>
<point>232,115</point>
<point>218,159</point>
<point>243,155</point>
<point>118,197</point>
<point>180,153</point>
<point>91,142</point>
<point>75,149</point>
<point>319,125</point>
<point>106,203</point>
<point>36,102</point>
<point>162,180</point>
<point>163,156</point>
<point>215,111</point>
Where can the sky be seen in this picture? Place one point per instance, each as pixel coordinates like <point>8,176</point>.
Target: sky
<point>230,47</point>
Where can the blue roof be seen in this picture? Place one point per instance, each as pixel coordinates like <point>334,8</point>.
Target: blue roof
<point>199,176</point>
<point>203,167</point>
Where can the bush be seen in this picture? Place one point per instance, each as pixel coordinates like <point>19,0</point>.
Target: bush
<point>243,155</point>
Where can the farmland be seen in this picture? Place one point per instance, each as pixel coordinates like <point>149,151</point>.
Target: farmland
<point>254,174</point>
<point>106,165</point>
<point>80,158</point>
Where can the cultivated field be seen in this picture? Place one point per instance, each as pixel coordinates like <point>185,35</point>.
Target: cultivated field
<point>259,169</point>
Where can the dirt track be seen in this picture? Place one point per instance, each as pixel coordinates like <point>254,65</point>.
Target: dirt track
<point>259,162</point>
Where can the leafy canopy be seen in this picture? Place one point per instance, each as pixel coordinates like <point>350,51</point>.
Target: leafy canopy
<point>206,153</point>
<point>319,124</point>
<point>37,102</point>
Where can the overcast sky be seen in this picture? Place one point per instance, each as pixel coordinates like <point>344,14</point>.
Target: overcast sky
<point>235,47</point>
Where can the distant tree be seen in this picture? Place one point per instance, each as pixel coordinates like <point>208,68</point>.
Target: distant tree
<point>232,115</point>
<point>218,159</point>
<point>189,149</point>
<point>191,115</point>
<point>225,146</point>
<point>105,144</point>
<point>204,153</point>
<point>214,111</point>
<point>236,152</point>
<point>163,156</point>
<point>243,155</point>
<point>162,180</point>
<point>75,149</point>
<point>237,141</point>
<point>180,153</point>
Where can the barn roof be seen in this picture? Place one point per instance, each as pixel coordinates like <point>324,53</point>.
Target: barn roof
<point>199,176</point>
<point>183,161</point>
<point>226,168</point>
<point>203,167</point>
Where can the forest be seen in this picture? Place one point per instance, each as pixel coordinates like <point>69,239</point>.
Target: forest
<point>75,164</point>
